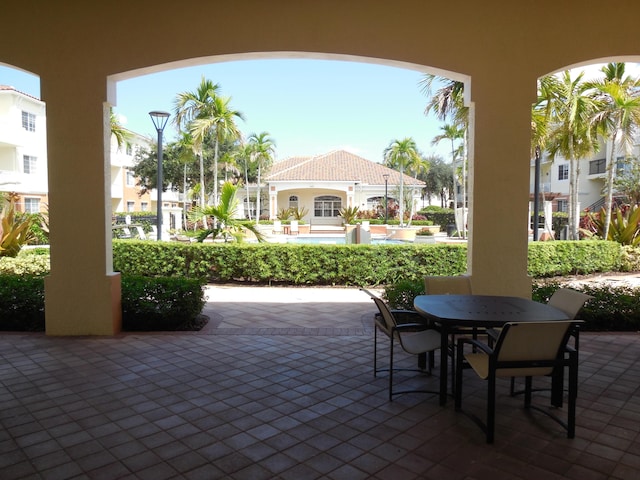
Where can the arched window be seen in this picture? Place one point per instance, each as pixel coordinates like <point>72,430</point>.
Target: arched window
<point>327,206</point>
<point>293,202</point>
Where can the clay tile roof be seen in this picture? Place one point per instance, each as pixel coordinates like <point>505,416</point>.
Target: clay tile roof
<point>337,166</point>
<point>13,89</point>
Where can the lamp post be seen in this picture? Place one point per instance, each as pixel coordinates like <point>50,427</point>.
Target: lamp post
<point>159,120</point>
<point>386,199</point>
<point>536,195</point>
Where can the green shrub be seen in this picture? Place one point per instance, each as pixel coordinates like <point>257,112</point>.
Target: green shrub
<point>147,303</point>
<point>548,259</point>
<point>21,303</point>
<point>160,303</point>
<point>613,307</point>
<point>402,293</point>
<point>28,262</point>
<point>302,264</point>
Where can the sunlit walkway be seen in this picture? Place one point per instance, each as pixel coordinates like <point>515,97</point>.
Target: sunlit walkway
<point>280,385</point>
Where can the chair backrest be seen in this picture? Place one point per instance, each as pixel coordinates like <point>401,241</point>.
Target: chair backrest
<point>569,301</point>
<point>444,285</point>
<point>538,344</point>
<point>388,320</point>
<point>294,226</point>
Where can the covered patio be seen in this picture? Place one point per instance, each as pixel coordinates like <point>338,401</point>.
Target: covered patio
<point>280,388</point>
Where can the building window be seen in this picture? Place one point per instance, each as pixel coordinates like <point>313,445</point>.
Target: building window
<point>131,179</point>
<point>293,202</point>
<point>563,206</point>
<point>563,172</point>
<point>327,206</point>
<point>144,206</point>
<point>29,121</point>
<point>32,205</point>
<point>129,149</point>
<point>131,206</point>
<point>597,166</point>
<point>29,164</point>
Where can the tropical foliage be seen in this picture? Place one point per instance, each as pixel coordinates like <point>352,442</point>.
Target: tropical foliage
<point>401,155</point>
<point>15,229</point>
<point>224,223</point>
<point>623,226</point>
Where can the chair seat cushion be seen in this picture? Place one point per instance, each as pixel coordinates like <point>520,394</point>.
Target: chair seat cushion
<point>420,342</point>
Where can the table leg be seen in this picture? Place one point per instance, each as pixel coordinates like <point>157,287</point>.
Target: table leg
<point>444,362</point>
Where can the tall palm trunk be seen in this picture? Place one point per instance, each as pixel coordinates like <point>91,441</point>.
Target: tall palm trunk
<point>401,195</point>
<point>258,198</point>
<point>246,184</point>
<point>215,170</point>
<point>611,172</point>
<point>573,194</point>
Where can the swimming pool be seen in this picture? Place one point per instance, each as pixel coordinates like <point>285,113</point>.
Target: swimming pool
<point>336,240</point>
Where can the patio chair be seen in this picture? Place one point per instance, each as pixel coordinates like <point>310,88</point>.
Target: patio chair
<point>451,285</point>
<point>524,349</point>
<point>277,227</point>
<point>570,302</point>
<point>447,285</point>
<point>416,338</point>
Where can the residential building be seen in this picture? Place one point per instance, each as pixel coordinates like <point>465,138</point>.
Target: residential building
<point>23,149</point>
<point>554,179</point>
<point>323,184</point>
<point>23,159</point>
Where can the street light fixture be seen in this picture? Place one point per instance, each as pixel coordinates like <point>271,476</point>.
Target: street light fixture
<point>386,199</point>
<point>159,120</point>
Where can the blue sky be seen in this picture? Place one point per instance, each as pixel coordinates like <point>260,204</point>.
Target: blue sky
<point>308,106</point>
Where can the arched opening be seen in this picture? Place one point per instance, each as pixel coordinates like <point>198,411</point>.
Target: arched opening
<point>570,178</point>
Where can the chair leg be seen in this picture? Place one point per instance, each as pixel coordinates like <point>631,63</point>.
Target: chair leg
<point>491,406</point>
<point>391,369</point>
<point>528,382</point>
<point>422,361</point>
<point>375,350</point>
<point>458,378</point>
<point>573,394</point>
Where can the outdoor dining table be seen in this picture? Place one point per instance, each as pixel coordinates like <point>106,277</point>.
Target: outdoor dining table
<point>480,312</point>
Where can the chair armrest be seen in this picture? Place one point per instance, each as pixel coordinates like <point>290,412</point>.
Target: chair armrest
<point>475,343</point>
<point>412,327</point>
<point>493,333</point>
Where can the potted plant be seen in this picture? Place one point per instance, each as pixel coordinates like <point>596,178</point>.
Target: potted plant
<point>348,214</point>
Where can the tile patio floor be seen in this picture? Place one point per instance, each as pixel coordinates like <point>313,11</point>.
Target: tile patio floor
<point>279,385</point>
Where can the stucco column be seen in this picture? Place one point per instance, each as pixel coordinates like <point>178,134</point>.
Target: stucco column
<point>82,293</point>
<point>499,174</point>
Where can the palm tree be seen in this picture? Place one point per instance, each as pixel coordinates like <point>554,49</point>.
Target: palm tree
<point>120,133</point>
<point>571,131</point>
<point>190,106</point>
<point>220,122</point>
<point>448,103</point>
<point>224,218</point>
<point>262,148</point>
<point>617,118</point>
<point>453,133</point>
<point>399,155</point>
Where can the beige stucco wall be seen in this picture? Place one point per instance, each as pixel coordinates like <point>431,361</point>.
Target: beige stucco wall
<point>500,46</point>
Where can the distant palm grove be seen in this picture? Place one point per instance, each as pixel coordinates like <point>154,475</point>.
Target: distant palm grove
<point>573,118</point>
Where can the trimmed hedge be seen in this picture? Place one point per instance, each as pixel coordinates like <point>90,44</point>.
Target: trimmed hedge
<point>344,264</point>
<point>147,303</point>
<point>548,259</point>
<point>292,264</point>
